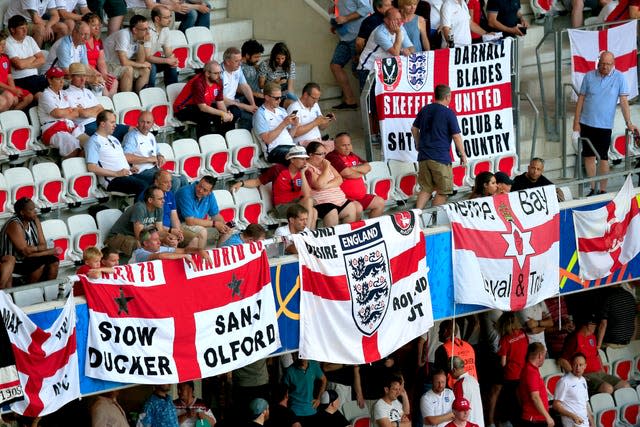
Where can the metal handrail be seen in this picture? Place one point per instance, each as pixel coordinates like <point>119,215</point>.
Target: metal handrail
<point>322,12</point>
<point>365,116</point>
<point>534,137</point>
<point>547,125</point>
<point>563,135</point>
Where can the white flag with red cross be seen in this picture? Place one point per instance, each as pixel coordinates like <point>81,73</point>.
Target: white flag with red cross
<point>364,289</point>
<point>619,40</point>
<point>506,248</point>
<point>169,321</point>
<point>46,359</point>
<point>608,237</point>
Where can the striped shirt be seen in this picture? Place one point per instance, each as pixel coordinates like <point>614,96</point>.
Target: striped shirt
<point>619,309</point>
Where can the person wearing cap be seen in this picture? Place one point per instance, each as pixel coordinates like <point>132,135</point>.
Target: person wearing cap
<point>571,397</point>
<point>504,182</point>
<point>467,388</point>
<point>259,412</point>
<point>86,102</point>
<point>583,340</point>
<point>290,185</point>
<point>329,414</point>
<point>388,411</point>
<point>435,404</point>
<point>461,408</point>
<point>532,391</point>
<point>274,126</point>
<point>57,117</point>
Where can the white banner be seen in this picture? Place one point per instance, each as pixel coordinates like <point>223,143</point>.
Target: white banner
<point>161,322</point>
<point>47,360</point>
<point>364,289</point>
<point>506,248</point>
<point>480,79</point>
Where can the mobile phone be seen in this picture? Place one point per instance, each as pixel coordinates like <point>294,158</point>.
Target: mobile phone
<point>294,112</point>
<point>231,224</point>
<point>523,30</point>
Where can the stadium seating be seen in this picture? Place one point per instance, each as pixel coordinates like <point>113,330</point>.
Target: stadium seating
<point>127,107</point>
<point>35,122</point>
<point>459,174</point>
<point>549,367</point>
<point>55,231</point>
<point>170,160</point>
<point>181,49</point>
<point>621,362</point>
<point>476,167</point>
<point>84,232</point>
<point>352,411</point>
<point>364,421</point>
<point>215,154</point>
<point>242,150</point>
<point>251,208</point>
<point>154,99</point>
<point>188,158</point>
<point>507,163</point>
<point>226,204</point>
<point>380,182</point>
<point>51,187</point>
<point>405,177</point>
<point>105,220</point>
<point>202,46</point>
<point>604,410</point>
<point>27,297</point>
<point>604,360</point>
<point>21,184</point>
<point>550,382</point>
<point>19,135</point>
<point>5,205</point>
<point>106,102</point>
<point>628,405</point>
<point>82,185</point>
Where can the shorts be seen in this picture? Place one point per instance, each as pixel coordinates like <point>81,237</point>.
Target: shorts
<point>596,379</point>
<point>344,52</point>
<point>117,70</point>
<point>324,208</point>
<point>281,209</point>
<point>111,7</point>
<point>212,232</point>
<point>29,265</point>
<point>188,236</point>
<point>33,84</point>
<point>137,11</point>
<point>600,138</point>
<point>366,200</point>
<point>437,176</point>
<point>122,243</point>
<point>593,4</point>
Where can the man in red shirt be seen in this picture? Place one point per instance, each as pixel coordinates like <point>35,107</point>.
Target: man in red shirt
<point>532,391</point>
<point>202,101</point>
<point>353,169</point>
<point>289,184</point>
<point>584,341</point>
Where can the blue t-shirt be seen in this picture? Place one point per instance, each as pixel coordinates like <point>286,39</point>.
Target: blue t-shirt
<point>159,412</point>
<point>233,240</point>
<point>601,97</point>
<point>190,206</point>
<point>301,384</point>
<point>437,125</point>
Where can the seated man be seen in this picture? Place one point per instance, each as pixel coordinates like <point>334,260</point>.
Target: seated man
<point>72,12</point>
<point>57,116</point>
<point>436,404</point>
<point>274,126</point>
<point>290,186</point>
<point>194,13</point>
<point>25,56</point>
<point>234,82</point>
<point>143,215</point>
<point>151,248</point>
<point>68,49</point>
<point>312,122</point>
<point>106,158</point>
<point>125,53</point>
<point>86,102</point>
<point>141,151</point>
<point>297,216</point>
<point>160,53</point>
<point>42,30</point>
<point>252,52</point>
<point>202,101</point>
<point>353,169</point>
<point>198,209</point>
<point>389,411</point>
<point>533,178</point>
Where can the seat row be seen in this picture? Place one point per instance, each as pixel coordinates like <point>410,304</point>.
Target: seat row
<point>623,408</point>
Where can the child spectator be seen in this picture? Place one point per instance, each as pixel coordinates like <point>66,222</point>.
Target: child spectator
<point>110,258</point>
<point>92,267</point>
<point>12,96</point>
<point>252,233</point>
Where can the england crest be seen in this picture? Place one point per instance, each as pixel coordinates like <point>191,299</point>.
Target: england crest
<point>417,70</point>
<point>389,72</point>
<point>367,266</point>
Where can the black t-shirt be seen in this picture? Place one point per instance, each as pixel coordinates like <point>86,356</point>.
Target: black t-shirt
<point>507,11</point>
<point>324,419</point>
<point>521,182</point>
<point>280,416</point>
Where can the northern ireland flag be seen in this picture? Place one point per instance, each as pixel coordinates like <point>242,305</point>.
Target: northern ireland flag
<point>608,237</point>
<point>620,40</point>
<point>506,248</point>
<point>168,321</point>
<point>364,289</point>
<point>47,360</point>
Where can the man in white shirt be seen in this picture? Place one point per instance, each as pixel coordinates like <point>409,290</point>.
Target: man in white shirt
<point>436,404</point>
<point>470,390</point>
<point>312,122</point>
<point>274,126</point>
<point>234,82</point>
<point>389,411</point>
<point>571,399</point>
<point>160,52</point>
<point>456,27</point>
<point>125,53</point>
<point>106,158</point>
<point>536,319</point>
<point>42,30</point>
<point>71,11</point>
<point>297,217</point>
<point>25,56</point>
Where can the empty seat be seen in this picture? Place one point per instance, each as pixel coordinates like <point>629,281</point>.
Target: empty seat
<point>181,48</point>
<point>251,208</point>
<point>226,204</point>
<point>35,122</point>
<point>127,107</point>
<point>628,405</point>
<point>507,163</point>
<point>380,182</point>
<point>459,174</point>
<point>154,99</point>
<point>20,135</point>
<point>173,90</point>
<point>476,167</point>
<point>604,410</point>
<point>5,207</point>
<point>188,157</point>
<point>20,183</point>
<point>405,178</point>
<point>550,382</point>
<point>202,46</point>
<point>106,102</point>
<point>549,367</point>
<point>55,231</point>
<point>82,185</point>
<point>84,232</point>
<point>51,187</point>
<point>242,148</point>
<point>215,154</point>
<point>105,220</point>
<point>621,361</point>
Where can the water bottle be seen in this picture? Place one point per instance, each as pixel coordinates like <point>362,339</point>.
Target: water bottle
<point>450,40</point>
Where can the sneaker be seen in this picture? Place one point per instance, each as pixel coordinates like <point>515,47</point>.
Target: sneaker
<point>602,192</point>
<point>592,192</point>
<point>345,106</point>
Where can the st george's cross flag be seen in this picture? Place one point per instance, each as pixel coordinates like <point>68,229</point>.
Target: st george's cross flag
<point>47,360</point>
<point>608,237</point>
<point>620,40</point>
<point>10,388</point>
<point>506,248</point>
<point>364,289</point>
<point>168,321</point>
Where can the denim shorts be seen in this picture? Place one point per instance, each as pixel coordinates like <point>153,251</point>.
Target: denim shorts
<point>345,52</point>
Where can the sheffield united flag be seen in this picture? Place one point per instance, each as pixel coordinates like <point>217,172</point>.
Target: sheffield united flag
<point>619,40</point>
<point>47,360</point>
<point>506,248</point>
<point>608,237</point>
<point>364,286</point>
<point>167,321</point>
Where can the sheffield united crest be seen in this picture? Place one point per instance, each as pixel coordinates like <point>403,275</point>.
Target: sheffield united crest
<point>389,72</point>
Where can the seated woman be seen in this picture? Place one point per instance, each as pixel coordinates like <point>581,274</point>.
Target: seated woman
<point>485,185</point>
<point>22,237</point>
<point>331,203</point>
<point>95,55</point>
<point>281,70</point>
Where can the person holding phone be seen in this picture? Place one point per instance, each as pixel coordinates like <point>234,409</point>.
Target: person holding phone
<point>311,120</point>
<point>506,16</point>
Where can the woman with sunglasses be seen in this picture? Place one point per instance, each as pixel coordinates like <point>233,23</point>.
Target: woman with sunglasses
<point>331,203</point>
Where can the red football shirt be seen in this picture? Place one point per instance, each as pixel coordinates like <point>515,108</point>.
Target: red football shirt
<point>587,345</point>
<point>353,188</point>
<point>286,188</point>
<point>514,347</point>
<point>531,381</point>
<point>198,91</point>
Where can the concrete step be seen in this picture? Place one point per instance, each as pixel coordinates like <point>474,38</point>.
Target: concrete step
<point>303,76</point>
<point>218,10</point>
<point>230,29</point>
